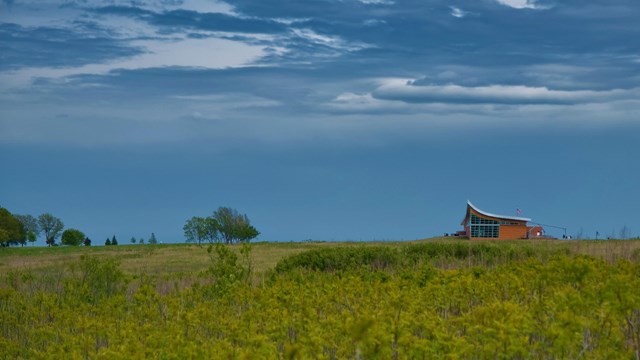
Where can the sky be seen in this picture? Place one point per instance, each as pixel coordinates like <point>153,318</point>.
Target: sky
<point>337,120</point>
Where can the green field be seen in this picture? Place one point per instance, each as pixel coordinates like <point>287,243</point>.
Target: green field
<point>435,298</point>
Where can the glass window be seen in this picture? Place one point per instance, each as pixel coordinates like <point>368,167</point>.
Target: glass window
<point>484,228</point>
<point>478,220</point>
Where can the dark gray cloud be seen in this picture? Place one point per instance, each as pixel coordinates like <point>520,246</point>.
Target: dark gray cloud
<point>57,47</point>
<point>181,20</point>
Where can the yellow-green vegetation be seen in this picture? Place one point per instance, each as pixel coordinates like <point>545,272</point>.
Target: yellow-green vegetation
<point>419,300</point>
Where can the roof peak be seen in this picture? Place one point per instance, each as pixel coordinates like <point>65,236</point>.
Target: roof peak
<point>496,216</point>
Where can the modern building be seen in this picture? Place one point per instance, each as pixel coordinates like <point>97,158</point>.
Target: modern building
<point>479,224</point>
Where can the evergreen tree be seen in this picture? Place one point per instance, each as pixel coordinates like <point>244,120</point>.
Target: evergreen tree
<point>114,241</point>
<point>133,240</point>
<point>87,241</point>
<point>108,242</point>
<point>141,241</point>
<point>152,239</point>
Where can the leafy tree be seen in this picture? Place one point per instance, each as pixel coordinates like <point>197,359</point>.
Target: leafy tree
<point>198,229</point>
<point>246,232</point>
<point>4,237</point>
<point>87,241</point>
<point>152,239</point>
<point>30,224</point>
<point>133,240</point>
<point>225,217</point>
<point>114,241</point>
<point>233,226</point>
<point>192,229</point>
<point>23,240</point>
<point>72,237</point>
<point>108,242</point>
<point>51,226</point>
<point>12,231</point>
<point>31,237</point>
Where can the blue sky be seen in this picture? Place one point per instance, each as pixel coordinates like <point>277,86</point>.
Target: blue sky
<point>323,119</point>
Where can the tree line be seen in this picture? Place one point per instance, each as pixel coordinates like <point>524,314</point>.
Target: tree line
<point>225,225</point>
<point>22,229</point>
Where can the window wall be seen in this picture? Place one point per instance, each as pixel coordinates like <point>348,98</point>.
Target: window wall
<point>484,228</point>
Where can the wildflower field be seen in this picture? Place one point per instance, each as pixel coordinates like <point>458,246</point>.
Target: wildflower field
<point>418,300</point>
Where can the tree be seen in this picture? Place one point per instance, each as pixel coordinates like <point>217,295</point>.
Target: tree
<point>114,241</point>
<point>152,239</point>
<point>4,238</point>
<point>246,232</point>
<point>198,229</point>
<point>31,237</point>
<point>233,226</point>
<point>108,242</point>
<point>87,241</point>
<point>12,232</point>
<point>212,232</point>
<point>141,241</point>
<point>133,240</point>
<point>51,226</point>
<point>30,224</point>
<point>72,237</point>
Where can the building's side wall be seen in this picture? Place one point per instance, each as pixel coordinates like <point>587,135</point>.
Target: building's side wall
<point>513,232</point>
<point>535,232</point>
<point>507,232</point>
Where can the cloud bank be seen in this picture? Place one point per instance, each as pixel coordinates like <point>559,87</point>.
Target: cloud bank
<point>285,65</point>
<point>407,91</point>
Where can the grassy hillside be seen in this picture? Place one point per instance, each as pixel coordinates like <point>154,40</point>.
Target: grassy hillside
<point>436,298</point>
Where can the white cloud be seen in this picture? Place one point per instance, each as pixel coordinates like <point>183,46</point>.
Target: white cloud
<point>405,90</point>
<point>230,100</point>
<point>377,2</point>
<point>373,22</point>
<point>457,12</point>
<point>215,6</point>
<point>521,4</point>
<point>334,42</point>
<point>205,6</point>
<point>181,52</point>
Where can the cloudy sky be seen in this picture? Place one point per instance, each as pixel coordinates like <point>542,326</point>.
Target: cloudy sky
<point>320,119</point>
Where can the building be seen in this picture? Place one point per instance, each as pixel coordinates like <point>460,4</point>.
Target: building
<point>480,224</point>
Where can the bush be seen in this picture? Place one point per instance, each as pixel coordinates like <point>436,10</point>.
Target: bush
<point>72,237</point>
<point>96,278</point>
<point>388,257</point>
<point>341,259</point>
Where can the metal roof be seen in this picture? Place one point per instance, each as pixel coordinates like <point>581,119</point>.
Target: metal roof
<point>496,216</point>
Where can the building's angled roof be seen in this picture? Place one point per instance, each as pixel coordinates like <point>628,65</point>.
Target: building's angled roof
<point>494,215</point>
